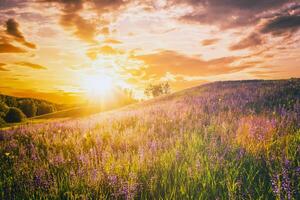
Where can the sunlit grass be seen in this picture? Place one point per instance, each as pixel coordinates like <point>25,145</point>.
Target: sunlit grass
<point>206,144</point>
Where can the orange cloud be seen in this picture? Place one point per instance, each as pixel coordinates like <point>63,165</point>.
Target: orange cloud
<point>8,48</point>
<point>84,29</point>
<point>104,50</point>
<point>252,40</point>
<point>12,28</point>
<point>31,65</point>
<point>112,41</point>
<point>2,68</point>
<point>209,42</point>
<point>160,63</point>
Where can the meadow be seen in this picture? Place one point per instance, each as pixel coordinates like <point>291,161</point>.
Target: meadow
<point>224,140</point>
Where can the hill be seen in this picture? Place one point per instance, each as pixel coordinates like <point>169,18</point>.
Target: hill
<point>224,140</point>
<point>24,108</point>
<point>77,112</point>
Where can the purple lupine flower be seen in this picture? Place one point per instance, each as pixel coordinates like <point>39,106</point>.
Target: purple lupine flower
<point>112,180</point>
<point>286,182</point>
<point>41,179</point>
<point>58,160</point>
<point>297,170</point>
<point>275,185</point>
<point>128,190</point>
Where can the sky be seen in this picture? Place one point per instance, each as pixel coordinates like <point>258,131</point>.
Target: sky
<point>52,49</point>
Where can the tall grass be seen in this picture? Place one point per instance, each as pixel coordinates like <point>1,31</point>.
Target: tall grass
<point>219,141</point>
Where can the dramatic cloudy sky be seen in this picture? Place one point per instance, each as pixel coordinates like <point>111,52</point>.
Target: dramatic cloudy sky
<point>48,48</point>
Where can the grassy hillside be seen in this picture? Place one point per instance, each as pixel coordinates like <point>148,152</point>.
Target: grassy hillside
<point>71,113</point>
<point>225,140</point>
<point>77,112</point>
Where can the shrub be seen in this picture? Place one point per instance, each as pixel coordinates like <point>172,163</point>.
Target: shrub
<point>28,108</point>
<point>44,108</point>
<point>14,115</point>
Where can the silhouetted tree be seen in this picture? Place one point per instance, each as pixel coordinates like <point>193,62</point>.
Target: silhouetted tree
<point>3,109</point>
<point>2,122</point>
<point>44,108</point>
<point>11,101</point>
<point>28,107</point>
<point>157,90</point>
<point>166,88</point>
<point>14,115</point>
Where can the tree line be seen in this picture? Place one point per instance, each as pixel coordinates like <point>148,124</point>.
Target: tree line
<point>14,109</point>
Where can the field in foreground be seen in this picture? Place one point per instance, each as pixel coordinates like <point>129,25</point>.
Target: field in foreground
<point>226,140</point>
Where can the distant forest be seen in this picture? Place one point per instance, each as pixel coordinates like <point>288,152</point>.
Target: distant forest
<point>15,109</point>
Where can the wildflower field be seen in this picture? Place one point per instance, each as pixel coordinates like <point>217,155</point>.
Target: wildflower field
<point>224,140</point>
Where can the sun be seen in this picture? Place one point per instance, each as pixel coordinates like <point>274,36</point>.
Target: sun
<point>98,87</point>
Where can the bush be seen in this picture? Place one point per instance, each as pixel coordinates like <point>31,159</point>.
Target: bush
<point>44,108</point>
<point>14,115</point>
<point>28,108</point>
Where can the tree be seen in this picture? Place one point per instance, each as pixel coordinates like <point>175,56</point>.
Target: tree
<point>28,107</point>
<point>2,122</point>
<point>11,101</point>
<point>157,90</point>
<point>44,108</point>
<point>3,109</point>
<point>14,115</point>
<point>166,88</point>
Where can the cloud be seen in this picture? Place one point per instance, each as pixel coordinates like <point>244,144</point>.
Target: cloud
<point>282,24</point>
<point>227,13</point>
<point>158,64</point>
<point>71,19</point>
<point>9,4</point>
<point>12,28</point>
<point>2,68</point>
<point>285,22</point>
<point>112,41</point>
<point>104,31</point>
<point>8,48</point>
<point>252,40</point>
<point>31,65</point>
<point>85,28</point>
<point>82,28</point>
<point>104,50</point>
<point>13,34</point>
<point>209,42</point>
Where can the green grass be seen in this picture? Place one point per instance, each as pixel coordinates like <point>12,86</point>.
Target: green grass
<point>205,144</point>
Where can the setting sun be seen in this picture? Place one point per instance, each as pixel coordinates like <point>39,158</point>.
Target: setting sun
<point>98,87</point>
